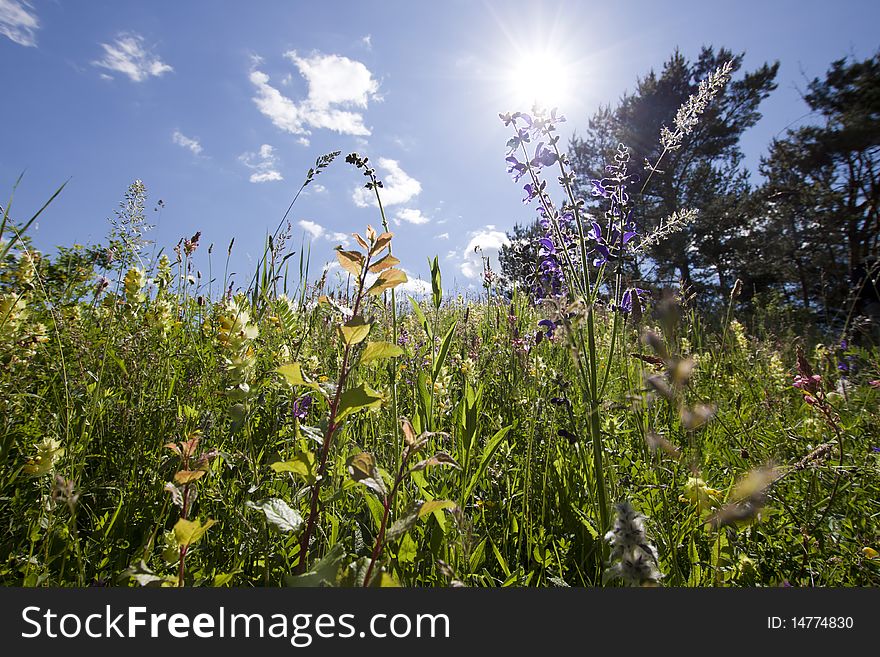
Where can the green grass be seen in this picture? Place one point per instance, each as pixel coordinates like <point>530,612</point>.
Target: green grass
<point>114,379</point>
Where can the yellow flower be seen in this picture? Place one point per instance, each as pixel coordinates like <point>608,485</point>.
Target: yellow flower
<point>698,492</point>
<point>870,553</point>
<point>48,452</point>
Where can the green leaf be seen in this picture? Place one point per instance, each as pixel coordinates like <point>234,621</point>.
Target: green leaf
<point>303,464</point>
<point>402,525</point>
<point>417,309</point>
<point>357,399</point>
<point>355,330</point>
<point>363,469</point>
<point>444,351</point>
<point>292,373</point>
<point>222,579</point>
<point>436,505</point>
<point>324,572</point>
<point>386,280</point>
<point>436,288</point>
<point>188,532</point>
<point>488,452</point>
<point>377,350</point>
<point>279,514</point>
<point>408,550</point>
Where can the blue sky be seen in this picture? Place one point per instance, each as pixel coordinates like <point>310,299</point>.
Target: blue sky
<point>221,108</point>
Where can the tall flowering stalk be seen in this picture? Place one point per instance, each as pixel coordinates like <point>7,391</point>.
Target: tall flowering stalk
<point>581,256</point>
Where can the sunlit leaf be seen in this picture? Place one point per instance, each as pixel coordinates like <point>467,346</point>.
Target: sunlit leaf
<point>386,280</point>
<point>435,505</point>
<point>188,532</point>
<point>361,241</point>
<point>355,330</point>
<point>436,287</point>
<point>440,458</point>
<point>363,469</point>
<point>383,264</point>
<point>409,434</point>
<point>279,513</point>
<point>292,373</point>
<point>357,399</point>
<point>302,464</point>
<point>379,350</point>
<point>184,477</point>
<point>381,242</point>
<point>350,261</point>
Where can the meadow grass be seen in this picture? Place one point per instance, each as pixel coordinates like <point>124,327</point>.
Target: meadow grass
<point>163,428</point>
<point>95,389</point>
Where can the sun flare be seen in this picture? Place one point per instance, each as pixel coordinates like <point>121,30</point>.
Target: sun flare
<point>541,78</point>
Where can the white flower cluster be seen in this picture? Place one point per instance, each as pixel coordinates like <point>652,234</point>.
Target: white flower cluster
<point>633,559</point>
<point>688,115</point>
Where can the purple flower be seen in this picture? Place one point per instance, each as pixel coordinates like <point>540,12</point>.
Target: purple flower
<point>543,157</point>
<point>549,326</point>
<point>515,168</point>
<point>626,301</point>
<point>301,407</point>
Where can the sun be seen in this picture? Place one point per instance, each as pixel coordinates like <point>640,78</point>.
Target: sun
<point>542,78</point>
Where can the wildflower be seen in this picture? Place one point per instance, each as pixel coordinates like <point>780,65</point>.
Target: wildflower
<point>64,492</point>
<point>549,327</point>
<point>190,245</point>
<point>633,558</point>
<point>49,451</point>
<point>698,492</point>
<point>133,283</point>
<point>301,407</point>
<point>689,113</point>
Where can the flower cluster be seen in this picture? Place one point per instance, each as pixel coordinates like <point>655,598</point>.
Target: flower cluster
<point>633,558</point>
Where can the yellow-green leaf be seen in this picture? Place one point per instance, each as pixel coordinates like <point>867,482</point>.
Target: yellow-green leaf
<point>385,263</point>
<point>188,532</point>
<point>350,261</point>
<point>386,280</point>
<point>357,399</point>
<point>378,350</point>
<point>292,373</point>
<point>435,505</point>
<point>302,464</point>
<point>355,330</point>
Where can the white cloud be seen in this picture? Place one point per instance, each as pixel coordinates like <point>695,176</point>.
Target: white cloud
<point>17,23</point>
<point>338,238</point>
<point>397,187</point>
<point>317,231</point>
<point>263,164</point>
<point>416,287</point>
<point>303,141</point>
<point>442,236</point>
<point>367,42</point>
<point>129,56</point>
<point>484,243</point>
<point>412,216</point>
<point>187,142</point>
<point>313,229</point>
<point>337,85</point>
<point>318,188</point>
